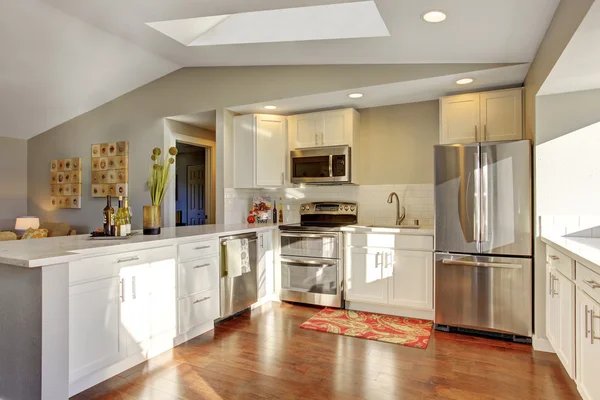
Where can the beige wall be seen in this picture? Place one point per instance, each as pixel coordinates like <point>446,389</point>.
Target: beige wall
<point>138,117</point>
<point>397,141</point>
<point>181,128</point>
<point>13,181</point>
<point>567,18</point>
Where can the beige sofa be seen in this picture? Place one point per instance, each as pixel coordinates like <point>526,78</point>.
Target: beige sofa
<point>54,229</point>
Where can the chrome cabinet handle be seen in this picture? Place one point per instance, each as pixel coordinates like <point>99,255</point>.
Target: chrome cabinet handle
<point>586,322</point>
<point>262,243</point>
<point>484,131</point>
<point>553,257</point>
<point>201,247</point>
<point>476,134</point>
<point>377,259</point>
<point>592,333</point>
<point>201,300</point>
<point>593,284</point>
<point>554,292</point>
<point>133,290</point>
<point>282,178</point>
<point>322,139</point>
<point>550,283</point>
<point>124,260</point>
<point>122,290</point>
<point>316,139</point>
<point>202,266</point>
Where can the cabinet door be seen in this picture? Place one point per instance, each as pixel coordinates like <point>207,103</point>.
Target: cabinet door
<point>163,304</point>
<point>411,279</point>
<point>364,276</point>
<point>552,309</point>
<point>588,347</point>
<point>336,128</point>
<point>564,296</point>
<point>271,145</point>
<point>459,119</point>
<point>136,312</point>
<point>502,115</point>
<point>96,336</point>
<point>306,130</point>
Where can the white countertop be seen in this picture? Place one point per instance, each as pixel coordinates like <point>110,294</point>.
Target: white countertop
<point>421,231</point>
<point>584,250</point>
<point>42,252</point>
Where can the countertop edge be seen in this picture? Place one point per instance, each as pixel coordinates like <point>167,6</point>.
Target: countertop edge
<point>552,241</point>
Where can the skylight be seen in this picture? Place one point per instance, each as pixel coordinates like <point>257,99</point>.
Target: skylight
<point>332,21</point>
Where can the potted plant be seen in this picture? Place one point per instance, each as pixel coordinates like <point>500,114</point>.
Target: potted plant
<point>158,182</point>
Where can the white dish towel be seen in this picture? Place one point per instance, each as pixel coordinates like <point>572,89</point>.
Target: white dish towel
<point>238,258</point>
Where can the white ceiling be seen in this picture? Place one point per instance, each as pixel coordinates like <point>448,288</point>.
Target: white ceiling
<point>62,58</point>
<point>395,93</point>
<point>485,31</point>
<point>578,67</point>
<point>205,120</point>
<point>55,67</point>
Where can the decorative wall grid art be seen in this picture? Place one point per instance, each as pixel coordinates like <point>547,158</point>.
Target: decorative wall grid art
<point>109,169</point>
<point>65,183</point>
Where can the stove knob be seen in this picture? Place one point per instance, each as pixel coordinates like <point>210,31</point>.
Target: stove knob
<point>346,208</point>
<point>352,208</point>
<point>341,208</point>
<point>302,208</point>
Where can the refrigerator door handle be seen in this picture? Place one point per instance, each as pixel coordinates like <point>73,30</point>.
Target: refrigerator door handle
<point>477,201</point>
<point>485,231</point>
<point>448,261</point>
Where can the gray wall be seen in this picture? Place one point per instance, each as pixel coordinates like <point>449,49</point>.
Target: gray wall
<point>13,181</point>
<point>396,143</point>
<point>138,118</point>
<point>560,114</point>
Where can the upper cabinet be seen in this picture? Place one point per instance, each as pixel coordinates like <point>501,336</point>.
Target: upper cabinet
<point>327,128</point>
<point>259,151</point>
<point>482,117</point>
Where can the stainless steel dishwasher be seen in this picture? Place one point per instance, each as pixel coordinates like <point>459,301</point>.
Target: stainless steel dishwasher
<point>240,292</point>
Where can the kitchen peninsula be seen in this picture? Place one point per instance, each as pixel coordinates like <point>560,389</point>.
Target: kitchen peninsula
<point>125,296</point>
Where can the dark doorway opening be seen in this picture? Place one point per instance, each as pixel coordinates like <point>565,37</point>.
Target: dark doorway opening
<point>190,182</point>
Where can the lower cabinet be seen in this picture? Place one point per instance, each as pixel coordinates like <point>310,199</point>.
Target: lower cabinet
<point>96,336</point>
<point>560,317</point>
<point>265,265</point>
<point>390,277</point>
<point>588,346</point>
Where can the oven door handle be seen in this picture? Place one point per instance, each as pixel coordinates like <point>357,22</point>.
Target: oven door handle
<point>309,261</point>
<point>309,235</point>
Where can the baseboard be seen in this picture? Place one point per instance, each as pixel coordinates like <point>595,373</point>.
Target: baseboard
<point>192,333</point>
<point>391,310</point>
<point>541,344</point>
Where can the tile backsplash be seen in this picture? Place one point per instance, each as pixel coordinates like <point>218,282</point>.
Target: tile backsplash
<point>371,199</point>
<point>570,225</point>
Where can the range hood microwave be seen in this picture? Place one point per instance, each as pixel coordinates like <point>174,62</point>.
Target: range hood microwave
<point>323,165</point>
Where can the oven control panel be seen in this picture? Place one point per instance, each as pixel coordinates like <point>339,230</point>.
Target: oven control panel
<point>335,208</point>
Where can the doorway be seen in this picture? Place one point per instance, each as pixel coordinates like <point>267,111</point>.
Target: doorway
<point>190,185</point>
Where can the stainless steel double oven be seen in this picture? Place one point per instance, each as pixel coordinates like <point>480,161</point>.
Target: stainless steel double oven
<point>312,265</point>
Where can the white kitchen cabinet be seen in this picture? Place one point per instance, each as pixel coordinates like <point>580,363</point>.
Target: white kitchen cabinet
<point>411,280</point>
<point>327,128</point>
<point>588,346</point>
<point>260,151</point>
<point>560,317</point>
<point>501,115</point>
<point>265,265</point>
<point>364,277</point>
<point>96,337</point>
<point>482,117</point>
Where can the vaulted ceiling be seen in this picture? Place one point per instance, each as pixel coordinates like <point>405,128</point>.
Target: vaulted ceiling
<point>62,58</point>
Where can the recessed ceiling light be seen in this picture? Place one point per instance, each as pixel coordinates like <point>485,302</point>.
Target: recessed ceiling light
<point>434,16</point>
<point>465,81</point>
<point>270,107</point>
<point>355,95</point>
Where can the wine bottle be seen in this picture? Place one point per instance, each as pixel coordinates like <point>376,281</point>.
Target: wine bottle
<point>275,212</point>
<point>119,220</point>
<point>108,218</point>
<point>127,214</point>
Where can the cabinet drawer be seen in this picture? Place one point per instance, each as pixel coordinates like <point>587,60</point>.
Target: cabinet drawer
<point>390,241</point>
<point>588,281</point>
<point>191,251</point>
<point>198,309</point>
<point>561,262</point>
<point>198,275</point>
<point>98,267</point>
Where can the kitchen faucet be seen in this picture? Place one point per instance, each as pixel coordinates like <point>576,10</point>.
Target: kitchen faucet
<point>390,200</point>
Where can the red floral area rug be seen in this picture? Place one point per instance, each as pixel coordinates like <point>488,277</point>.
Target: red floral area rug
<point>409,332</point>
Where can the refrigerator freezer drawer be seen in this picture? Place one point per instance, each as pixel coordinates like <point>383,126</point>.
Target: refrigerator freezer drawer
<point>484,293</point>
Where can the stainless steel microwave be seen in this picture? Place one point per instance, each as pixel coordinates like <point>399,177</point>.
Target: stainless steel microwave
<point>324,165</point>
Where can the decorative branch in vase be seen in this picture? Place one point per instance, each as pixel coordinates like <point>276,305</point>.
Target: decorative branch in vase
<point>158,182</point>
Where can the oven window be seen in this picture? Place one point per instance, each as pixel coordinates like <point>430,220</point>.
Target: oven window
<point>300,277</point>
<point>311,167</point>
<point>309,245</point>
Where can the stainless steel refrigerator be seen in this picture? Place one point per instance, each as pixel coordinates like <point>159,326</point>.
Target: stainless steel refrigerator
<point>483,237</point>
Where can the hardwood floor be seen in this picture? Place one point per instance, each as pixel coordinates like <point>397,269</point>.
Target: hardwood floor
<point>267,356</point>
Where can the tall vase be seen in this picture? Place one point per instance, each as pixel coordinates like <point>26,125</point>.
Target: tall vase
<point>151,220</point>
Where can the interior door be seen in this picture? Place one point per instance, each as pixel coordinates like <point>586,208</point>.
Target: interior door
<point>456,198</point>
<point>506,225</point>
<point>196,195</point>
